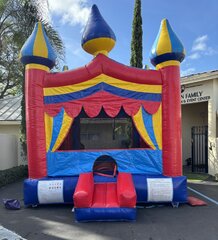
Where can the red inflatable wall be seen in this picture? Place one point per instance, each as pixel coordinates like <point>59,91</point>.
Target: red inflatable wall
<point>35,127</point>
<point>171,121</point>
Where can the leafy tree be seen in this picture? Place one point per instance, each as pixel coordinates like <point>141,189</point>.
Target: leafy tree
<point>136,43</point>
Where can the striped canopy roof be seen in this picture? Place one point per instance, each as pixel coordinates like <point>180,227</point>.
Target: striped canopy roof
<point>109,90</point>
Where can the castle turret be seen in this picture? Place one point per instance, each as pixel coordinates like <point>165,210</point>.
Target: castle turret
<point>38,56</point>
<point>38,50</point>
<point>166,55</point>
<point>167,49</point>
<point>97,37</point>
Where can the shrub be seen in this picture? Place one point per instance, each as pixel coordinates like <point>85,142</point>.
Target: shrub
<point>13,174</point>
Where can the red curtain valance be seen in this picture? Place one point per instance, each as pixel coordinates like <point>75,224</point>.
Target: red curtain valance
<point>93,104</point>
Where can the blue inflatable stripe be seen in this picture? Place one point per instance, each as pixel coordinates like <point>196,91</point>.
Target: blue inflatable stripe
<point>72,96</point>
<point>155,97</point>
<point>105,214</point>
<point>27,49</point>
<point>179,187</point>
<point>31,189</point>
<point>96,27</point>
<point>167,57</point>
<point>38,60</point>
<point>136,161</point>
<point>148,123</point>
<point>57,123</point>
<point>153,52</point>
<point>175,42</point>
<point>139,180</point>
<point>30,192</point>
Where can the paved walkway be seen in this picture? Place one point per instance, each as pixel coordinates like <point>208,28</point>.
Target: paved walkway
<point>6,234</point>
<point>156,223</point>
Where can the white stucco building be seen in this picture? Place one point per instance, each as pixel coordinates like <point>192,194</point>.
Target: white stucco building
<point>10,120</point>
<point>199,98</point>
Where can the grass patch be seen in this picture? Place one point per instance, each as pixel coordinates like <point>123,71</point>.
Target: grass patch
<point>13,174</point>
<point>199,176</point>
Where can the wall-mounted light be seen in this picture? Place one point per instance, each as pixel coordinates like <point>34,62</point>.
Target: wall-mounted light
<point>211,146</point>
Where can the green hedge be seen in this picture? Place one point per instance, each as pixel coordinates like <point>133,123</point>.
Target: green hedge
<point>13,174</point>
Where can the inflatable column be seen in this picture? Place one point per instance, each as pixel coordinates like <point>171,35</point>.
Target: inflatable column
<point>38,56</point>
<point>167,53</point>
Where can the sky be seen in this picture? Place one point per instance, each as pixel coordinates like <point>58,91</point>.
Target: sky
<point>194,21</point>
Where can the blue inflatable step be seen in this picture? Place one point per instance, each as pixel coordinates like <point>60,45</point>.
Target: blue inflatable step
<point>105,214</point>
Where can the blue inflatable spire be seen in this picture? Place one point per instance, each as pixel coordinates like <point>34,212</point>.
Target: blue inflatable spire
<point>97,37</point>
<point>167,46</point>
<point>37,49</point>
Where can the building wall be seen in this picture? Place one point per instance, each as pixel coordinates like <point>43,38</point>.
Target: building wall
<point>216,92</point>
<point>192,115</point>
<point>198,88</point>
<point>212,131</point>
<point>10,129</point>
<point>10,148</point>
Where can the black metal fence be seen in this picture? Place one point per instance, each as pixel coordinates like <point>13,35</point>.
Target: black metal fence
<point>200,149</point>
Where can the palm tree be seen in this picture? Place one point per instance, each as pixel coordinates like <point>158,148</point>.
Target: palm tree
<point>17,20</point>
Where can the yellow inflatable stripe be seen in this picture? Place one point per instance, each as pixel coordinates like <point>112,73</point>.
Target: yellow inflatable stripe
<point>164,43</point>
<point>167,63</point>
<point>106,79</point>
<point>139,123</point>
<point>37,66</point>
<point>40,48</point>
<point>48,130</point>
<point>99,45</point>
<point>157,125</point>
<point>66,124</point>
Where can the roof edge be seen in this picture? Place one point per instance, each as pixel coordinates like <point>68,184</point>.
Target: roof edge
<point>199,77</point>
<point>103,65</point>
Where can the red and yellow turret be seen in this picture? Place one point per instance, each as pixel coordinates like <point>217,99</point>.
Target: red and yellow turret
<point>166,55</point>
<point>38,56</point>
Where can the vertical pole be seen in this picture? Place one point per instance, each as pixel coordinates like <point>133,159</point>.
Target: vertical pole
<point>206,149</point>
<point>193,149</point>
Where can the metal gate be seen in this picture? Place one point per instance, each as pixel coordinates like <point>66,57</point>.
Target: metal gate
<point>200,149</point>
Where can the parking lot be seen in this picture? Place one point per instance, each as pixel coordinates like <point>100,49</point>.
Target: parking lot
<point>160,222</point>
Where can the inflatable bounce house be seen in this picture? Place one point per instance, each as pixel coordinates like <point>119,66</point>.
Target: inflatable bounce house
<point>104,137</point>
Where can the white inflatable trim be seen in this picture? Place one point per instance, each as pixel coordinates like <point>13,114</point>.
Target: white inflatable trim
<point>50,191</point>
<point>160,189</point>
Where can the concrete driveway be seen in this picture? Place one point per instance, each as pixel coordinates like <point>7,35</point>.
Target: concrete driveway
<point>154,223</point>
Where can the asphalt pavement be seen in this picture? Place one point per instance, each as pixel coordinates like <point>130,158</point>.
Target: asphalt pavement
<point>159,222</point>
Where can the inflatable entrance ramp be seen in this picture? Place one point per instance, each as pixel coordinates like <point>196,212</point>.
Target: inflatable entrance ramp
<point>105,201</point>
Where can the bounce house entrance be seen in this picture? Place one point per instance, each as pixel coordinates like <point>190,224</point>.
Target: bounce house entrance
<point>105,166</point>
<point>79,121</point>
<point>103,132</point>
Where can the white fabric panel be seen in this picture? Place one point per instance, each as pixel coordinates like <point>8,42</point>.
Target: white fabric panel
<point>50,191</point>
<point>160,189</point>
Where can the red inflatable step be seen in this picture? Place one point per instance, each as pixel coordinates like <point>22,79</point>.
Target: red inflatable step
<point>193,201</point>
